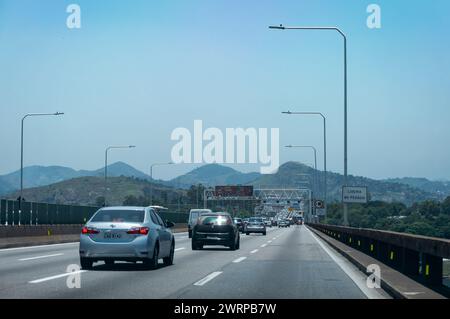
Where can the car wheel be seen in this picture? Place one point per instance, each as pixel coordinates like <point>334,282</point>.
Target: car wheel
<point>195,245</point>
<point>152,263</point>
<point>238,243</point>
<point>168,261</point>
<point>190,234</point>
<point>233,245</point>
<point>247,234</point>
<point>86,263</point>
<point>264,234</point>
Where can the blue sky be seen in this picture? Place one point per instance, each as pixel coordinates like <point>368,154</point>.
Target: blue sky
<point>136,70</point>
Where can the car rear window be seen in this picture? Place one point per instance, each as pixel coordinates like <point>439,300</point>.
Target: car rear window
<point>256,220</point>
<point>119,216</point>
<point>214,220</point>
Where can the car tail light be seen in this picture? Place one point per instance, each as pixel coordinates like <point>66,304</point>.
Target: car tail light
<point>87,231</point>
<point>138,231</point>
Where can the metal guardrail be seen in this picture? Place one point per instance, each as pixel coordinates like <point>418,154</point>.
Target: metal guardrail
<point>418,257</point>
<point>56,214</point>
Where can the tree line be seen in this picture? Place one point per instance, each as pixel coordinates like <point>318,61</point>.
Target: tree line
<point>427,218</point>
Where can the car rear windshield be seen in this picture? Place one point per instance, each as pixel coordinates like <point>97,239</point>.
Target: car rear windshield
<point>119,216</point>
<point>256,220</point>
<point>195,214</point>
<point>214,220</point>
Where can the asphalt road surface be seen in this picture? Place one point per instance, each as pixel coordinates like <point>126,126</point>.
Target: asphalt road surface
<point>288,263</point>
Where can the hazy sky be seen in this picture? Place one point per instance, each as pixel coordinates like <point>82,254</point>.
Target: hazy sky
<point>136,70</point>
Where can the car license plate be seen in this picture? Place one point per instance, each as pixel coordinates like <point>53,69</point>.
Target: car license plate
<point>112,236</point>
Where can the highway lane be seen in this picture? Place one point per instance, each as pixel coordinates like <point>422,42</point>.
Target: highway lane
<point>287,263</point>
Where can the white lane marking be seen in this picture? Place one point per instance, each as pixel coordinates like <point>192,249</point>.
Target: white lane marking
<point>210,277</point>
<point>40,257</point>
<point>360,280</point>
<point>178,249</point>
<point>269,241</point>
<point>37,281</point>
<point>254,251</point>
<point>34,247</point>
<point>239,260</point>
<point>263,245</point>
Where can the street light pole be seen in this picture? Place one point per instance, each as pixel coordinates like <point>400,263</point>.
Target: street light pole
<point>106,167</point>
<point>325,193</point>
<point>21,153</point>
<point>151,178</point>
<point>281,27</point>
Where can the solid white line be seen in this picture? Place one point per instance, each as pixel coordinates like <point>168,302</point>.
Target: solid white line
<point>210,277</point>
<point>254,251</point>
<point>37,281</point>
<point>181,248</point>
<point>269,241</point>
<point>264,245</point>
<point>33,247</point>
<point>352,274</point>
<point>40,257</point>
<point>239,260</point>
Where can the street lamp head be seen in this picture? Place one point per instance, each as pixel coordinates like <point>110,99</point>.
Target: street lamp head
<point>279,27</point>
<point>289,146</point>
<point>58,113</point>
<point>132,146</point>
<point>286,112</point>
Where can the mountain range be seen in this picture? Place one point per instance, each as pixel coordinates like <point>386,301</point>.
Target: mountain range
<point>45,183</point>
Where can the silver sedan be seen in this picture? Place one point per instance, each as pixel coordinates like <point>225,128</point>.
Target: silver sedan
<point>126,234</point>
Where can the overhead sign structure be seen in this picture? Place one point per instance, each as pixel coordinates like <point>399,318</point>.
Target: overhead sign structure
<point>234,191</point>
<point>354,194</point>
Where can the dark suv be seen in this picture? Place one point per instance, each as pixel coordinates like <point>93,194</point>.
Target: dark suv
<point>215,229</point>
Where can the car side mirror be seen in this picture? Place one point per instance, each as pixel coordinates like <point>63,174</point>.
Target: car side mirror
<point>169,224</point>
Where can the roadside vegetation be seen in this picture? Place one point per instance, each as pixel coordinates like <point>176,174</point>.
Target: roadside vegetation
<point>427,218</point>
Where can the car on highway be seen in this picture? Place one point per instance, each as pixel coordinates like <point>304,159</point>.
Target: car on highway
<point>268,223</point>
<point>215,229</point>
<point>255,225</point>
<point>239,223</point>
<point>126,234</point>
<point>283,223</point>
<point>193,216</point>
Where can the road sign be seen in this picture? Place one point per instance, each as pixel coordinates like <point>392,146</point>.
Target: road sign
<point>320,211</point>
<point>354,194</point>
<point>319,204</point>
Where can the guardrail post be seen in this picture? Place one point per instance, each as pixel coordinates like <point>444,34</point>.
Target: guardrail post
<point>432,269</point>
<point>410,262</point>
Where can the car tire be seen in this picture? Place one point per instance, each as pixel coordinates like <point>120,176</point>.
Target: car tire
<point>233,245</point>
<point>152,263</point>
<point>168,261</point>
<point>190,234</point>
<point>238,243</point>
<point>86,263</point>
<point>247,234</point>
<point>264,234</point>
<point>195,245</point>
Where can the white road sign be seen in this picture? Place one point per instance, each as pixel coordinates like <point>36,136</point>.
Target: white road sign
<point>354,194</point>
